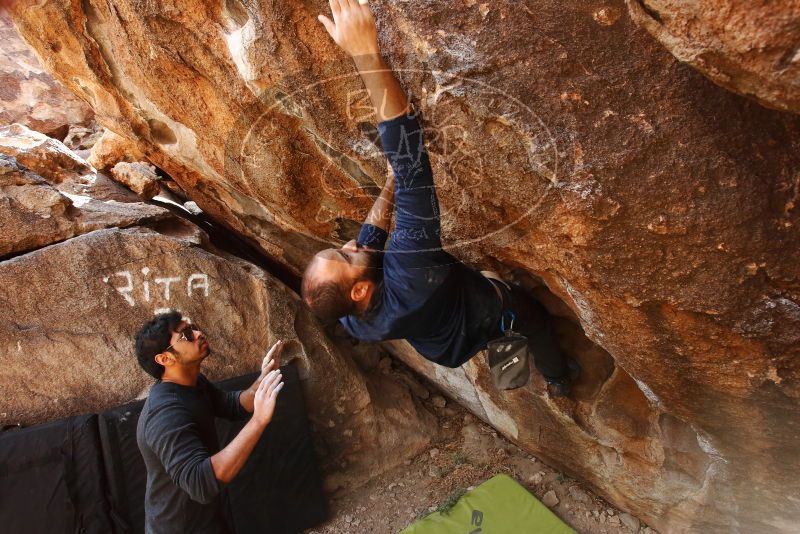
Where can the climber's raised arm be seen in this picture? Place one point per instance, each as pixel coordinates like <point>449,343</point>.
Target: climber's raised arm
<point>415,290</point>
<point>353,29</point>
<point>416,206</point>
<point>381,213</point>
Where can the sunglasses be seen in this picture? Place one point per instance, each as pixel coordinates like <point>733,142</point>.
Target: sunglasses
<point>187,334</point>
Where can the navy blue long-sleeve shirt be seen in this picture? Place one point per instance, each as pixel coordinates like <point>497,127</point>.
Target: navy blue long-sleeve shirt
<point>177,437</point>
<point>446,311</point>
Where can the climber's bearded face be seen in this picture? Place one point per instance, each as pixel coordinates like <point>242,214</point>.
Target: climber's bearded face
<point>347,265</point>
<point>340,281</point>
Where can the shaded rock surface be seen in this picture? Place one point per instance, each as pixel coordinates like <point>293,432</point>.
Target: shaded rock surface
<point>658,210</point>
<point>748,47</point>
<point>29,95</point>
<point>81,137</point>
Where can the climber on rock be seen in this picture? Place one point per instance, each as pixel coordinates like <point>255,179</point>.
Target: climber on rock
<point>412,289</point>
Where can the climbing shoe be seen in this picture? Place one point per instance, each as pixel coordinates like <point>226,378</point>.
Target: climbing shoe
<point>561,387</point>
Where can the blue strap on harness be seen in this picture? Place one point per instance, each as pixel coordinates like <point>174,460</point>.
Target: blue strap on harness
<point>511,317</point>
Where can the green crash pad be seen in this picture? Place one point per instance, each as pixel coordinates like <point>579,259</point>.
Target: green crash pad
<point>498,506</point>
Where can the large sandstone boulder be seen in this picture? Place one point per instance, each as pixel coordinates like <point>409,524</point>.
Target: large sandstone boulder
<point>747,47</point>
<point>66,342</point>
<point>79,274</point>
<point>30,96</point>
<point>658,209</point>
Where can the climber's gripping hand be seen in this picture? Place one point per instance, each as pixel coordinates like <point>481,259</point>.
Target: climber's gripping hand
<point>352,27</point>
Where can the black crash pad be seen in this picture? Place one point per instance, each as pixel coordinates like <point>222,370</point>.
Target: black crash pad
<point>52,479</point>
<point>85,475</point>
<point>279,489</point>
<point>124,466</point>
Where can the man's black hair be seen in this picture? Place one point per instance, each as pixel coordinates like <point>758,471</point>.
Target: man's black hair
<point>153,337</point>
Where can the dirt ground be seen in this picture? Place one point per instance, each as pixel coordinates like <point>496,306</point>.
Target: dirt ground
<point>468,453</point>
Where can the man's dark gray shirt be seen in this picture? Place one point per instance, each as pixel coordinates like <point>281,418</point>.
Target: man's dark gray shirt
<point>177,437</point>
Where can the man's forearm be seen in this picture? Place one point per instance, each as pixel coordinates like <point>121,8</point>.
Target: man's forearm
<point>381,213</point>
<point>247,396</point>
<point>384,90</point>
<point>353,28</point>
<point>229,461</point>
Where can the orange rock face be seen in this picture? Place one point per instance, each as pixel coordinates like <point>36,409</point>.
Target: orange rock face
<point>747,47</point>
<point>657,209</point>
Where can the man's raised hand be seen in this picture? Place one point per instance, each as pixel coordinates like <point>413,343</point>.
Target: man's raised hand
<point>266,396</point>
<point>352,27</point>
<point>273,358</point>
<point>271,362</point>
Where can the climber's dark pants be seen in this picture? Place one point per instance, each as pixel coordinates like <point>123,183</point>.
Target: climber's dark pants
<point>535,322</point>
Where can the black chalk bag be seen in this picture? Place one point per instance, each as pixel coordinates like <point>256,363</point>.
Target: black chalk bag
<point>509,357</point>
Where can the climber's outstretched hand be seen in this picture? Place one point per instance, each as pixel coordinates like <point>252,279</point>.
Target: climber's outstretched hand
<point>352,27</point>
